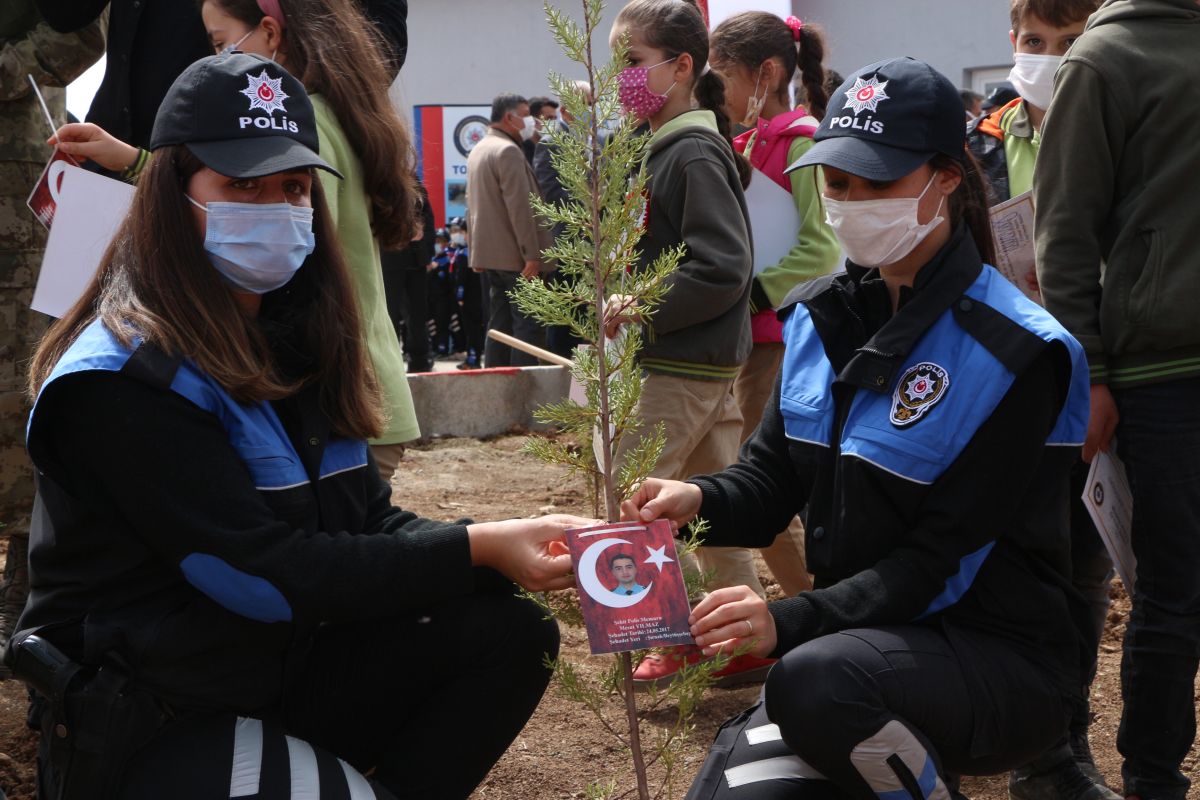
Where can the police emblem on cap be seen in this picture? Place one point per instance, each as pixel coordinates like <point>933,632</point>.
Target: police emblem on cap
<point>920,388</point>
<point>866,94</point>
<point>265,92</point>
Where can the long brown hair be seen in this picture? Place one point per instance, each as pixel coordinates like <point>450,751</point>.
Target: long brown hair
<point>335,52</point>
<point>677,27</point>
<point>750,38</point>
<point>969,202</point>
<point>156,284</point>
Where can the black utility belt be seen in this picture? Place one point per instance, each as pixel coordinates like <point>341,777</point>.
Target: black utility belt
<point>93,718</point>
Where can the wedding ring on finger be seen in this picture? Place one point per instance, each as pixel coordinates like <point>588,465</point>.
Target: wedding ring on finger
<point>749,625</point>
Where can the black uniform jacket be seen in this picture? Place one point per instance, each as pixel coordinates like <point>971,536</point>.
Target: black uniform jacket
<point>153,538</point>
<point>887,550</point>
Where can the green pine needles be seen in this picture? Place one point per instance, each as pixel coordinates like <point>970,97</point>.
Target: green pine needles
<point>597,233</point>
<point>596,252</point>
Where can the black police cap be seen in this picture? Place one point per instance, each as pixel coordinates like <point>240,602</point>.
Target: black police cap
<point>887,119</point>
<point>242,115</point>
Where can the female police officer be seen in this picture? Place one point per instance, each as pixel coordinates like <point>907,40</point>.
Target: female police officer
<point>214,546</point>
<point>927,414</point>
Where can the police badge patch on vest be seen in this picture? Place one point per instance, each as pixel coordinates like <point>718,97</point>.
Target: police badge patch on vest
<point>920,388</point>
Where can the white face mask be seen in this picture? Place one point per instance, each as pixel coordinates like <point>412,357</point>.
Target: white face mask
<point>530,128</point>
<point>875,233</point>
<point>1033,78</point>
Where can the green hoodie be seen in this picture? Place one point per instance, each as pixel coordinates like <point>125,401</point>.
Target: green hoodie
<point>1118,209</point>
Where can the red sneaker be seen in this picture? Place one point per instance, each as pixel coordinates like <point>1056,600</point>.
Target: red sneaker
<point>660,668</point>
<point>744,669</point>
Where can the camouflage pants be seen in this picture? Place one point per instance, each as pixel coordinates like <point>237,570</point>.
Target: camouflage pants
<point>22,241</point>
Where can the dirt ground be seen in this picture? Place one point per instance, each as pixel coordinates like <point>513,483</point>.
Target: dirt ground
<point>563,748</point>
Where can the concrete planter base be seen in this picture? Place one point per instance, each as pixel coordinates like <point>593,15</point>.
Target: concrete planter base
<point>484,402</point>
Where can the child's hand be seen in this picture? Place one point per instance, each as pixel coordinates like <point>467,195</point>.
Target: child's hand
<point>619,310</point>
<point>88,142</point>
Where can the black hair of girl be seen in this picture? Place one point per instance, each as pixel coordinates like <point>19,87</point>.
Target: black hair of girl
<point>752,37</point>
<point>677,27</point>
<point>969,203</point>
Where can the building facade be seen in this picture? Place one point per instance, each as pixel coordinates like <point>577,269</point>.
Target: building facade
<point>468,51</point>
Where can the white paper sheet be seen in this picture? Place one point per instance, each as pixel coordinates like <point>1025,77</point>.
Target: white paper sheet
<point>1012,229</point>
<point>774,223</point>
<point>90,209</point>
<point>1109,501</point>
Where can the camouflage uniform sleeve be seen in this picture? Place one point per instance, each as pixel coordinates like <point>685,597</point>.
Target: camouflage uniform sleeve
<point>52,58</point>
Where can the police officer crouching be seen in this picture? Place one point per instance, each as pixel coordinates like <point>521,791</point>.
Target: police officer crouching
<point>928,415</point>
<point>225,603</point>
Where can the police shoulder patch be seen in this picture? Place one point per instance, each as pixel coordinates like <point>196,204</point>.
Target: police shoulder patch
<point>920,388</point>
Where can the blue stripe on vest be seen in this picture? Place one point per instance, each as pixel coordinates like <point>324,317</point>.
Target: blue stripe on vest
<point>343,455</point>
<point>805,399</point>
<point>921,452</point>
<point>234,590</point>
<point>994,289</point>
<point>961,581</point>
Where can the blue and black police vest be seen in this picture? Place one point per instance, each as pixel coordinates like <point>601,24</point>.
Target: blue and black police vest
<point>948,386</point>
<point>256,435</point>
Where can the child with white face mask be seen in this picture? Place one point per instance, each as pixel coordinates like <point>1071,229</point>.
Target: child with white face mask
<point>940,637</point>
<point>1006,140</point>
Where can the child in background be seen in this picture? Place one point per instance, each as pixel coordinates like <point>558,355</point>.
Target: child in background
<point>331,48</point>
<point>441,292</point>
<point>757,54</point>
<point>468,292</point>
<point>700,336</point>
<point>1006,144</point>
<point>1118,256</point>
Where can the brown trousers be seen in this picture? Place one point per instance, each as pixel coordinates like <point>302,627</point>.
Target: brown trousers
<point>704,429</point>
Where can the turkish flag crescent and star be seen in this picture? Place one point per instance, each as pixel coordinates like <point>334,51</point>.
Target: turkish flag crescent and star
<point>630,585</point>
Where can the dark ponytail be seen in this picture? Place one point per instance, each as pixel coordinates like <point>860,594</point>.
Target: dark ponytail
<point>969,203</point>
<point>677,27</point>
<point>709,91</point>
<point>752,37</point>
<point>810,59</point>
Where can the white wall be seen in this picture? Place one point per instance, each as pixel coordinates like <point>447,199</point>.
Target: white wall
<point>468,51</point>
<point>954,36</point>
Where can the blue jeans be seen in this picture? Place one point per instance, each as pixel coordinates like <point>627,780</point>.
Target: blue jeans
<point>1159,441</point>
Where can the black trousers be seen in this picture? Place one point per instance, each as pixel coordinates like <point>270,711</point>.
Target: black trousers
<point>504,316</point>
<point>407,295</point>
<point>473,313</point>
<point>1159,441</point>
<point>869,712</point>
<point>430,701</point>
<point>442,308</point>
